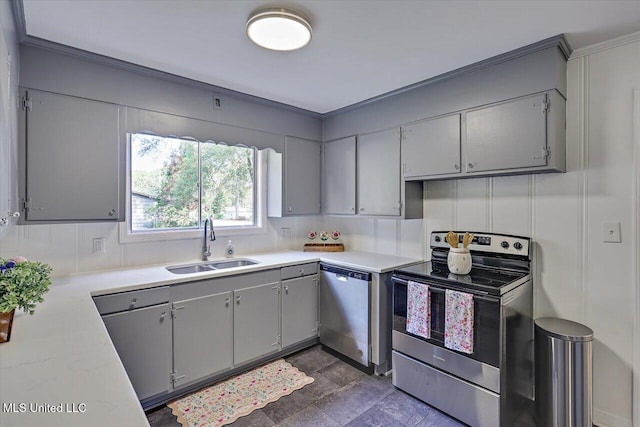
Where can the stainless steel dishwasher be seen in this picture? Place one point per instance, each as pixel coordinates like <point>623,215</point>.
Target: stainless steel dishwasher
<point>344,311</point>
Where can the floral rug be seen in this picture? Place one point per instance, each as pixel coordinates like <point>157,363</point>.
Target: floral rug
<point>225,402</point>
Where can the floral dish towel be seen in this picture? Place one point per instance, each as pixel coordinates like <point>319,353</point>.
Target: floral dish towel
<point>458,321</point>
<point>418,310</point>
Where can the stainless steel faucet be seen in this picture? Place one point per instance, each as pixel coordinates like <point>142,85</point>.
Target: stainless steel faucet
<point>206,249</point>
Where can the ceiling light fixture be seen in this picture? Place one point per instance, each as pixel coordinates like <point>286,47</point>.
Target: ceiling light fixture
<point>279,29</point>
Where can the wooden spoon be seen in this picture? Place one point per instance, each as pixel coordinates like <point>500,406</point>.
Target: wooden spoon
<point>467,239</point>
<point>452,239</point>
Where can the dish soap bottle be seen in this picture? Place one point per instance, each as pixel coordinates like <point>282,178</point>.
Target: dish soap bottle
<point>229,252</point>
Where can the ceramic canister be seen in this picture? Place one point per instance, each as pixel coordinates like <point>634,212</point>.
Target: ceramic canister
<point>459,260</point>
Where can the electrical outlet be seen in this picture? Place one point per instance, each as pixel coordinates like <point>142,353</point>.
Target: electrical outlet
<point>217,103</point>
<point>98,245</point>
<point>285,232</point>
<point>611,232</point>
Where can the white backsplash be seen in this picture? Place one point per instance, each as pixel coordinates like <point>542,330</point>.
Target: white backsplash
<point>68,248</point>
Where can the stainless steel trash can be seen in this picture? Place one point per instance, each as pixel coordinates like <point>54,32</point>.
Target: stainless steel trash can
<point>563,379</point>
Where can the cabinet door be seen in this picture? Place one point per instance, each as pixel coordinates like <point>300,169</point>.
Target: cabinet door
<point>256,322</point>
<point>299,309</point>
<point>339,177</point>
<point>73,158</point>
<point>142,339</point>
<point>379,173</point>
<point>301,177</point>
<point>509,135</point>
<point>202,337</point>
<point>431,147</point>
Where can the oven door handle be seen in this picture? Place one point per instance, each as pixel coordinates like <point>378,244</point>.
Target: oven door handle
<point>479,295</point>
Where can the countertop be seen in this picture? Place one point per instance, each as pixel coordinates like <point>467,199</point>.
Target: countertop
<point>60,367</point>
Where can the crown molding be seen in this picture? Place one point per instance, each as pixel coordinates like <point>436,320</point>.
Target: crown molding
<point>609,44</point>
<point>558,41</point>
<point>27,40</point>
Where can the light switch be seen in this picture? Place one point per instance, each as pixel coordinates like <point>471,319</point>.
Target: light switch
<point>285,232</point>
<point>611,232</point>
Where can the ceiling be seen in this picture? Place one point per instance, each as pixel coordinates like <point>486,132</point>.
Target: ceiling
<point>359,50</point>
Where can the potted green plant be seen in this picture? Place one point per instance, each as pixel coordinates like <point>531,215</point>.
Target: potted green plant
<point>22,284</point>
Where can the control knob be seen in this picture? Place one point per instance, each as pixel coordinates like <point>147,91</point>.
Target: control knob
<point>504,244</point>
<point>437,239</point>
<point>517,245</point>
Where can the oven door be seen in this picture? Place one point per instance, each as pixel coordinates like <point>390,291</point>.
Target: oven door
<point>486,320</point>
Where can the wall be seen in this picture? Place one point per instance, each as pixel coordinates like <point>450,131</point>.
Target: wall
<point>578,276</point>
<point>9,67</point>
<point>68,247</point>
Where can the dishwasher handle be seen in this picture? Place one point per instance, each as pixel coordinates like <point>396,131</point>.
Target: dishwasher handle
<point>358,275</point>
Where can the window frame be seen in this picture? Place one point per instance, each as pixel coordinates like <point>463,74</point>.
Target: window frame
<point>126,235</point>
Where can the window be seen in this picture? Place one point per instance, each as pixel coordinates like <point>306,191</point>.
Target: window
<point>176,183</point>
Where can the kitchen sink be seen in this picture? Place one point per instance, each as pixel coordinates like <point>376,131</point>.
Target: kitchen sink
<point>210,266</point>
<point>234,263</point>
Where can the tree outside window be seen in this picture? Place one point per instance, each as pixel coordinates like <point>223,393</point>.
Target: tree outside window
<point>177,182</point>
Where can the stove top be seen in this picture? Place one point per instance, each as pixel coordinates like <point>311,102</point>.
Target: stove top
<point>485,280</point>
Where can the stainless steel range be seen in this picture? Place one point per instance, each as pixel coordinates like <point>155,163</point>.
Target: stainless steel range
<point>487,379</point>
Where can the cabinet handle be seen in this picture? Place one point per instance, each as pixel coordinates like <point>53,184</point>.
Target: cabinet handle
<point>227,301</point>
<point>112,212</point>
<point>238,299</point>
<point>361,209</point>
<point>302,271</point>
<point>162,315</point>
<point>455,166</point>
<point>286,289</point>
<point>470,165</point>
<point>353,209</point>
<point>289,209</point>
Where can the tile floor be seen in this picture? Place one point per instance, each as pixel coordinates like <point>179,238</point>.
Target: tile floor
<point>341,395</point>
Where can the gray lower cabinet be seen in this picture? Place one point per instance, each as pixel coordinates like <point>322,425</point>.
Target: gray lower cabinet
<point>256,322</point>
<point>142,338</point>
<point>299,309</point>
<point>431,147</point>
<point>202,337</point>
<point>378,166</point>
<point>73,157</point>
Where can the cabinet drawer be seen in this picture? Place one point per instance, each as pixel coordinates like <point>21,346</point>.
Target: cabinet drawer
<point>130,300</point>
<point>299,270</point>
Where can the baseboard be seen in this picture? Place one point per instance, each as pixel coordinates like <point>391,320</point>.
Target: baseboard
<point>605,419</point>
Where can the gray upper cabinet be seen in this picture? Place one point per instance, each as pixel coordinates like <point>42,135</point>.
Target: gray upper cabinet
<point>508,135</point>
<point>74,159</point>
<point>339,177</point>
<point>293,179</point>
<point>256,322</point>
<point>299,309</point>
<point>431,147</point>
<point>378,166</point>
<point>517,136</point>
<point>142,338</point>
<point>202,337</point>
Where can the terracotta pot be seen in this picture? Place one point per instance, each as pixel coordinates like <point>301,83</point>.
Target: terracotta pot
<point>6,321</point>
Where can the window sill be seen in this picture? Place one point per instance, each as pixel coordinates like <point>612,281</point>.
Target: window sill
<point>157,236</point>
